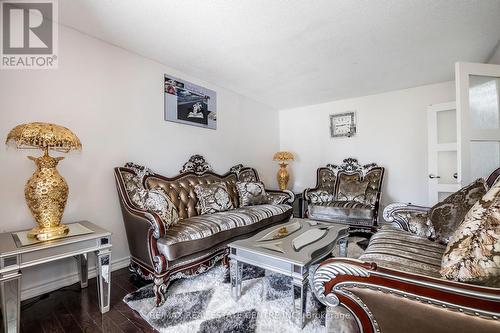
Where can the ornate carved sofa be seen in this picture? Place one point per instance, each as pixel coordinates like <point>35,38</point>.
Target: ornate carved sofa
<point>163,253</point>
<point>347,193</point>
<point>396,285</point>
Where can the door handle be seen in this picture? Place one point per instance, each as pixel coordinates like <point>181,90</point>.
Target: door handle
<point>455,175</point>
<point>431,176</point>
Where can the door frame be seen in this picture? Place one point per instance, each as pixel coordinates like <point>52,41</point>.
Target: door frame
<point>433,148</point>
<point>464,133</point>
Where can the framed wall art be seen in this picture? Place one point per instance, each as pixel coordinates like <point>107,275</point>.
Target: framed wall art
<point>343,124</point>
<point>190,104</point>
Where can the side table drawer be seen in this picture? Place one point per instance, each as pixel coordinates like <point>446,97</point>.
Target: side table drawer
<point>57,252</point>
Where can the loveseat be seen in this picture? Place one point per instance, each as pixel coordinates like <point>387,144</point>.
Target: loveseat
<point>164,248</point>
<point>346,193</point>
<point>403,281</point>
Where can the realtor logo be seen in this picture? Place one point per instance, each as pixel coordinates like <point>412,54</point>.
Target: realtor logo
<point>29,34</point>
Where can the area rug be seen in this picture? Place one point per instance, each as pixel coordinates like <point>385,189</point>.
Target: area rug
<point>204,304</point>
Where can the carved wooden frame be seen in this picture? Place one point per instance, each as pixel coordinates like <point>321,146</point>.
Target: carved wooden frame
<point>335,280</point>
<point>348,166</point>
<point>159,269</point>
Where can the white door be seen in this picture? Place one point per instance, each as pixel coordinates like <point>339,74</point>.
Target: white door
<point>442,151</point>
<point>478,107</point>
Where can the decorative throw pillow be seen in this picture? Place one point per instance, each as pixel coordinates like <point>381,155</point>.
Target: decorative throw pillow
<point>446,215</point>
<point>320,196</point>
<point>473,253</point>
<point>134,183</point>
<point>251,193</point>
<point>418,225</point>
<point>156,200</point>
<point>350,187</point>
<point>213,198</point>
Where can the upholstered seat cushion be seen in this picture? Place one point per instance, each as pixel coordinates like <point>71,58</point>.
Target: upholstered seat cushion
<point>341,210</point>
<point>401,250</point>
<point>202,232</point>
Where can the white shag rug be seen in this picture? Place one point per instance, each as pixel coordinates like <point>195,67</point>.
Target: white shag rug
<point>204,304</point>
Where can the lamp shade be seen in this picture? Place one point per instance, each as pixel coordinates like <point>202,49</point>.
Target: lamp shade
<point>283,156</point>
<point>44,136</point>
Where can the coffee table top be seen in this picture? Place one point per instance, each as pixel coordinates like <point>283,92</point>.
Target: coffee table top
<point>299,241</point>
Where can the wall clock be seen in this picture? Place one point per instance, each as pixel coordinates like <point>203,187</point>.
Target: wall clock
<point>343,124</point>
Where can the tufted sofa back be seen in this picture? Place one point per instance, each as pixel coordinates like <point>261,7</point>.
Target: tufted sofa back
<point>348,181</point>
<point>181,189</point>
<point>356,186</point>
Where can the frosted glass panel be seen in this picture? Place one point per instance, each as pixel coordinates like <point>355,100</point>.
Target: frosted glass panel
<point>484,94</point>
<point>447,126</point>
<point>485,157</point>
<point>447,166</point>
<point>443,195</point>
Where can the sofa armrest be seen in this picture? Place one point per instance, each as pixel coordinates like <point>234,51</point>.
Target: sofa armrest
<point>143,229</point>
<point>280,197</point>
<point>377,296</point>
<point>401,214</point>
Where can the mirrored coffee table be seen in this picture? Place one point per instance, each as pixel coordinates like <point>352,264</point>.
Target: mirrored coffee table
<point>288,249</point>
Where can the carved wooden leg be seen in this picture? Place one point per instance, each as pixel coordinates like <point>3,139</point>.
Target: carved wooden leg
<point>225,261</point>
<point>160,289</point>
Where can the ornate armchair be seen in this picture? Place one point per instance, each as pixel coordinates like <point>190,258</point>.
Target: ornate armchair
<point>347,193</point>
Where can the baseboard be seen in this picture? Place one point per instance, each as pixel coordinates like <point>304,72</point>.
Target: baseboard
<point>67,280</point>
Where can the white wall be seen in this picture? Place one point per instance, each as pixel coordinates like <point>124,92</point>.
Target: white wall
<point>391,131</point>
<point>495,56</point>
<point>113,100</point>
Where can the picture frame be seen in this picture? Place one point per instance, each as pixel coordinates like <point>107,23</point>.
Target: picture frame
<point>188,103</point>
<point>343,124</point>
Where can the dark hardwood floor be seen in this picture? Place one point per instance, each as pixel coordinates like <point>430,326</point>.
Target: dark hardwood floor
<point>72,309</point>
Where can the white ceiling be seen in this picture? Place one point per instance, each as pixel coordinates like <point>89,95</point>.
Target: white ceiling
<point>298,52</point>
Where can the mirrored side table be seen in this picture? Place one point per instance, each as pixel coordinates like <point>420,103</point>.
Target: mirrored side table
<point>17,251</point>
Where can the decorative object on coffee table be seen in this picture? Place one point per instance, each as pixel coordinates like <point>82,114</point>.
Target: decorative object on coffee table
<point>46,192</point>
<point>283,177</point>
<point>288,249</point>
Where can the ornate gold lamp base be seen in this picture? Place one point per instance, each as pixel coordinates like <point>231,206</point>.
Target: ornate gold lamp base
<point>282,177</point>
<point>46,194</point>
<point>44,234</point>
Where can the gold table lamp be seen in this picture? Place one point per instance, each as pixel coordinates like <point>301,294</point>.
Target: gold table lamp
<point>282,177</point>
<point>46,192</point>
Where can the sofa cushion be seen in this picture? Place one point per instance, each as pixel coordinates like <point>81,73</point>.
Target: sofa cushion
<point>342,210</point>
<point>251,193</point>
<point>213,198</point>
<point>202,232</point>
<point>446,215</point>
<point>155,200</point>
<point>397,249</point>
<point>351,187</point>
<point>473,253</point>
<point>419,224</point>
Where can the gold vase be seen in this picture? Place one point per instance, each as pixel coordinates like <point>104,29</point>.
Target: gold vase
<point>46,193</point>
<point>283,176</point>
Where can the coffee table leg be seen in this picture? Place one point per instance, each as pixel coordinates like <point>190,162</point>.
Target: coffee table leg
<point>236,269</point>
<point>343,242</point>
<point>299,301</point>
